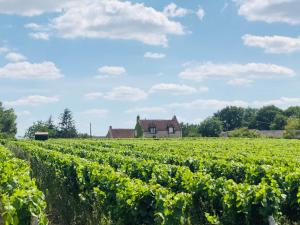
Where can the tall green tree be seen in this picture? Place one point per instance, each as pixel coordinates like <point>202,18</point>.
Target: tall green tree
<point>265,117</point>
<point>231,117</point>
<point>190,130</point>
<point>292,127</point>
<point>67,128</point>
<point>8,125</point>
<point>279,122</point>
<point>38,126</point>
<point>293,111</point>
<point>211,127</point>
<point>249,118</point>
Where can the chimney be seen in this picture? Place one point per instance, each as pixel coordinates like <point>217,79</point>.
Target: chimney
<point>110,127</point>
<point>174,118</point>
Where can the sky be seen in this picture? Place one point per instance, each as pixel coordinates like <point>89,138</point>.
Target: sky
<point>111,60</point>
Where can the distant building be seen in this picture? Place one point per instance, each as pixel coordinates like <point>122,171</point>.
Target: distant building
<point>41,136</point>
<point>120,133</point>
<point>158,128</point>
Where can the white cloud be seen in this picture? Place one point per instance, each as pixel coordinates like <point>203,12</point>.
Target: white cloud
<point>215,104</point>
<point>39,36</point>
<point>26,70</point>
<point>115,19</point>
<point>3,50</point>
<point>126,93</point>
<point>176,89</point>
<point>270,11</point>
<point>281,102</point>
<point>33,100</point>
<point>273,44</point>
<point>33,26</point>
<point>240,82</point>
<point>31,7</point>
<point>93,95</point>
<point>147,110</point>
<point>200,13</point>
<point>153,55</point>
<point>96,112</point>
<point>15,57</point>
<point>208,104</point>
<point>199,72</point>
<point>112,70</point>
<point>24,113</point>
<point>172,10</point>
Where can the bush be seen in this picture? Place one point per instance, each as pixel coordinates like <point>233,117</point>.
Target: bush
<point>211,127</point>
<point>292,127</point>
<point>244,132</point>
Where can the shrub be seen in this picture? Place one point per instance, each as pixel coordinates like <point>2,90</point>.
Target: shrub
<point>244,132</point>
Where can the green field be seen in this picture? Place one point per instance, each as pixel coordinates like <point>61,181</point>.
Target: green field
<point>188,181</point>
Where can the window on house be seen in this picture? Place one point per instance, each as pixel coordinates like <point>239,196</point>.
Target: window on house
<point>171,130</point>
<point>152,130</point>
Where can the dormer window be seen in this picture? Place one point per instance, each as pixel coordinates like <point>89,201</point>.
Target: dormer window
<point>171,130</point>
<point>152,130</point>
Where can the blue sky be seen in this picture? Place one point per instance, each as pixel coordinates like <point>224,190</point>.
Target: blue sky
<point>109,60</point>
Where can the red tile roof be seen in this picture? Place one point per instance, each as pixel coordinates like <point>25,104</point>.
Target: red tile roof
<point>120,133</point>
<point>161,125</point>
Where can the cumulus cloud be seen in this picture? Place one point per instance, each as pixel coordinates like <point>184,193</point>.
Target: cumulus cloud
<point>200,13</point>
<point>93,95</point>
<point>176,89</point>
<point>273,44</point>
<point>153,55</point>
<point>96,112</point>
<point>3,50</point>
<point>39,36</point>
<point>240,82</point>
<point>215,104</point>
<point>147,110</point>
<point>285,11</point>
<point>126,93</point>
<point>199,72</point>
<point>112,70</point>
<point>115,19</point>
<point>23,113</point>
<point>281,102</point>
<point>31,7</point>
<point>33,100</point>
<point>172,10</point>
<point>26,70</point>
<point>15,57</point>
<point>33,26</point>
<point>208,104</point>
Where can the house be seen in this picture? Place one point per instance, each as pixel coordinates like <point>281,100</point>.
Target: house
<point>120,133</point>
<point>41,136</point>
<point>158,128</point>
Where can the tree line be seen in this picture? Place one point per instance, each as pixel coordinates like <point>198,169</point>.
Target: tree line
<point>233,118</point>
<point>64,129</point>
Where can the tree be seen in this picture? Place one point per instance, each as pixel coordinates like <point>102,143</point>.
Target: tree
<point>279,122</point>
<point>38,126</point>
<point>231,117</point>
<point>190,130</point>
<point>67,127</point>
<point>293,125</point>
<point>211,127</point>
<point>265,116</point>
<point>249,118</point>
<point>293,111</point>
<point>52,129</point>
<point>8,125</point>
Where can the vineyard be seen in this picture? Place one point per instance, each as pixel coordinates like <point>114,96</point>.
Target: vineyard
<point>128,182</point>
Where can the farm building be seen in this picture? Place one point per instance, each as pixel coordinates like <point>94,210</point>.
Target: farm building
<point>158,128</point>
<point>41,136</point>
<point>120,133</point>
